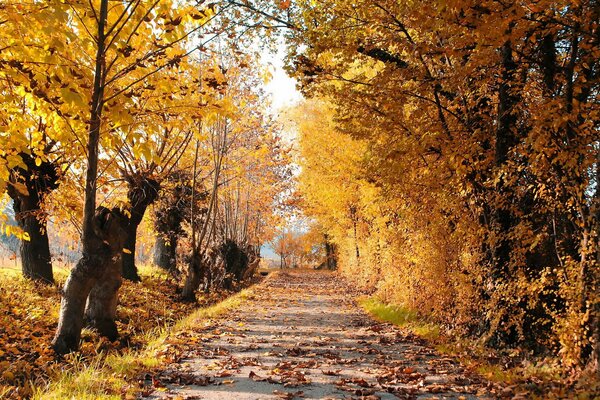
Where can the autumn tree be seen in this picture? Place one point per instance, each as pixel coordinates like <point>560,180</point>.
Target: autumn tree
<point>115,61</point>
<point>298,247</point>
<point>37,138</point>
<point>479,158</point>
<point>244,161</point>
<point>169,214</point>
<point>166,116</point>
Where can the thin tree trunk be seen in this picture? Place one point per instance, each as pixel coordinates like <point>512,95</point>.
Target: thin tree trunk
<point>200,239</point>
<point>593,280</point>
<point>194,273</point>
<point>354,218</point>
<point>209,271</point>
<point>356,243</point>
<point>595,358</point>
<point>505,139</point>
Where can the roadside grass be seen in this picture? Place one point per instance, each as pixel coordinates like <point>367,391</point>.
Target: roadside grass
<point>112,377</point>
<point>535,377</point>
<point>146,312</point>
<point>400,316</point>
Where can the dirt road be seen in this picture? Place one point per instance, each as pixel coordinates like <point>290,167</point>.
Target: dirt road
<point>302,336</point>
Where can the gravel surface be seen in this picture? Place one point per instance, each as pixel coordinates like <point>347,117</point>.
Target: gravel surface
<point>302,336</point>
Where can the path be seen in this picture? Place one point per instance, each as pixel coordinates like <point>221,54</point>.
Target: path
<point>303,337</point>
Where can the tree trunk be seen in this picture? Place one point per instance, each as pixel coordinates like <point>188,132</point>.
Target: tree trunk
<point>93,275</point>
<point>96,251</point>
<point>505,139</point>
<point>130,271</point>
<point>81,280</point>
<point>331,258</point>
<point>354,218</point>
<point>593,363</point>
<point>252,267</point>
<point>235,260</point>
<point>502,217</point>
<point>27,188</point>
<point>143,191</point>
<point>356,249</point>
<point>165,252</point>
<point>169,214</point>
<point>36,260</point>
<point>101,307</point>
<point>193,279</point>
<point>595,357</point>
<point>209,272</point>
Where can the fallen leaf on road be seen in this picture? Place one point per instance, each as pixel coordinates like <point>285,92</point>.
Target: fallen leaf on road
<point>288,395</point>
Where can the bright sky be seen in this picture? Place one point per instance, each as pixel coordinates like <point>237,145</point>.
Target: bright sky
<point>282,88</point>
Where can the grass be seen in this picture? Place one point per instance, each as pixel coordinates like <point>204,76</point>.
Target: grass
<point>540,378</point>
<point>147,313</point>
<point>400,316</point>
<point>111,377</point>
<point>470,352</point>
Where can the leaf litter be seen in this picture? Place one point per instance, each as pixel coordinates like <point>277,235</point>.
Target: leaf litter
<point>303,337</point>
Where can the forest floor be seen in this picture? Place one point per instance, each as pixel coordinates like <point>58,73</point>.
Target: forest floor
<point>28,321</point>
<point>302,335</point>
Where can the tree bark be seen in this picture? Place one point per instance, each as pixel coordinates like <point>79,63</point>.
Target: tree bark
<point>27,189</point>
<point>331,258</point>
<point>252,267</point>
<point>101,307</point>
<point>93,275</point>
<point>88,237</point>
<point>354,218</point>
<point>502,217</point>
<point>236,262</point>
<point>209,272</point>
<point>165,252</point>
<point>593,364</point>
<point>143,191</point>
<point>192,279</point>
<point>505,140</point>
<point>595,357</point>
<point>36,261</point>
<point>130,271</point>
<point>169,214</point>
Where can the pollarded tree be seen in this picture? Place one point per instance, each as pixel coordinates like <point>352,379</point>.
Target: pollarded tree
<point>37,138</point>
<point>168,110</point>
<point>114,39</point>
<point>170,211</point>
<point>245,162</point>
<point>28,188</point>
